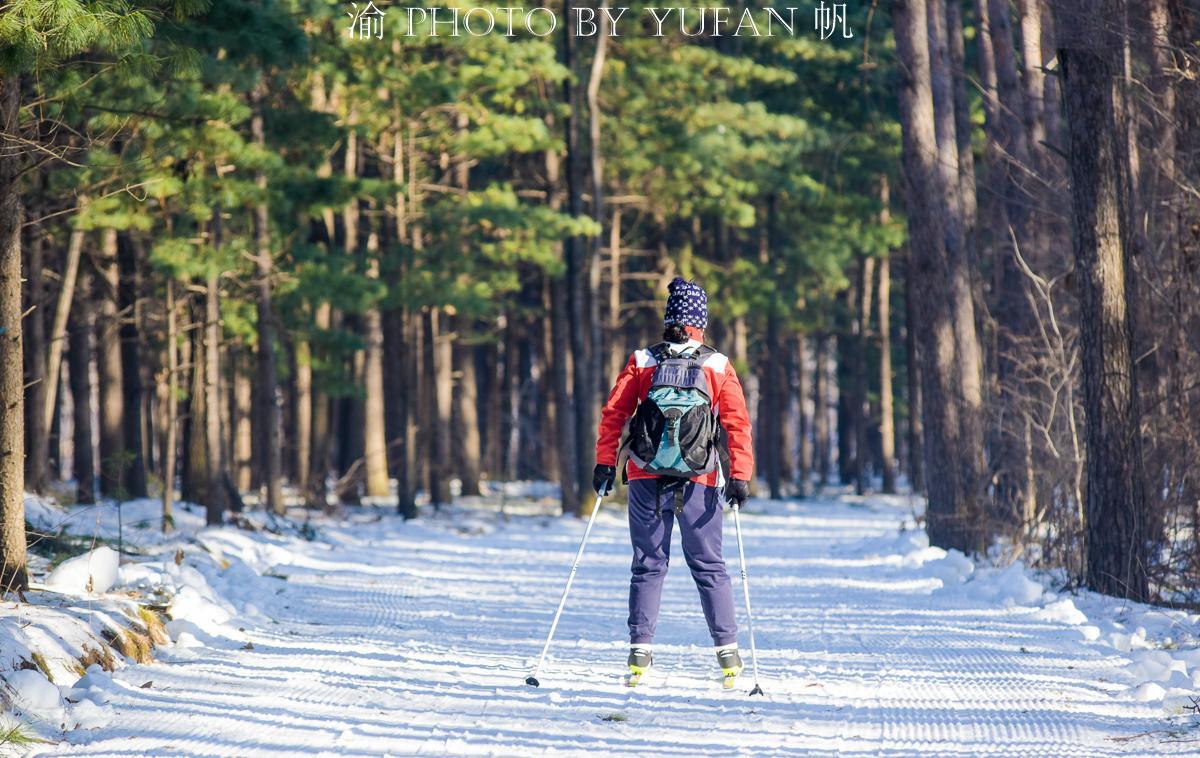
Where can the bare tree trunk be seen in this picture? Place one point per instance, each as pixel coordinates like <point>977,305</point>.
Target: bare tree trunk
<point>617,352</point>
<point>468,413</point>
<point>952,514</point>
<point>821,441</point>
<point>440,354</point>
<point>557,354</point>
<point>171,411</point>
<point>916,436</point>
<point>304,411</point>
<point>596,367</point>
<point>214,452</point>
<point>315,490</point>
<point>243,420</point>
<point>83,464</point>
<point>195,463</point>
<point>132,364</point>
<point>37,442</point>
<point>1115,507</point>
<point>13,573</point>
<point>1033,78</point>
<point>887,424</point>
<point>804,432</point>
<point>62,311</point>
<point>577,280</point>
<point>861,410</point>
<point>108,358</point>
<point>268,402</point>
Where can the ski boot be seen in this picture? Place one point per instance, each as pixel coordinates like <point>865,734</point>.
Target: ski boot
<point>639,662</point>
<point>731,664</point>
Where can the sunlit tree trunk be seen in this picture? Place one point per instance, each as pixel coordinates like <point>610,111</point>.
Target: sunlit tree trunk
<point>1115,502</point>
<point>13,573</point>
<point>268,410</point>
<point>952,513</point>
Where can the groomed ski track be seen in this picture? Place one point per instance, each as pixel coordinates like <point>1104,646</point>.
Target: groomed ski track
<point>415,639</point>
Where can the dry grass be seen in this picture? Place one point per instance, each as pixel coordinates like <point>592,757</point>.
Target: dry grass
<point>100,654</point>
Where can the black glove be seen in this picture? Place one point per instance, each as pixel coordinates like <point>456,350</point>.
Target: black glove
<point>603,478</point>
<point>737,491</point>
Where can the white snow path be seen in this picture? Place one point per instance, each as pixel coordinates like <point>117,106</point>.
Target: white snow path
<point>403,639</point>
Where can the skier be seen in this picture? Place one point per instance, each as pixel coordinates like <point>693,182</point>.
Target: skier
<point>678,397</point>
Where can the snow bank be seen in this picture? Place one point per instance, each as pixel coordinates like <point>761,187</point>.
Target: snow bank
<point>94,572</point>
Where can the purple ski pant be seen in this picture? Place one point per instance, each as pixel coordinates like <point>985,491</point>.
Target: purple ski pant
<point>700,533</point>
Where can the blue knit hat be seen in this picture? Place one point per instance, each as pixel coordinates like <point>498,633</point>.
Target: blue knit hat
<point>687,304</point>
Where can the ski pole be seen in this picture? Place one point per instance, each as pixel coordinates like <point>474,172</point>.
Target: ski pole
<point>532,679</point>
<point>737,525</point>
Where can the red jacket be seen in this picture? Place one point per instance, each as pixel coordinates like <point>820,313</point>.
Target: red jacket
<point>729,403</point>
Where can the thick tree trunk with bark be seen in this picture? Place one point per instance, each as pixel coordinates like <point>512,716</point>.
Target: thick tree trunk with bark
<point>1115,506</point>
<point>13,573</point>
<point>952,514</point>
<point>916,435</point>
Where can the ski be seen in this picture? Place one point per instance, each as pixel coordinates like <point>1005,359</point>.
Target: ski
<point>729,682</point>
<point>634,679</point>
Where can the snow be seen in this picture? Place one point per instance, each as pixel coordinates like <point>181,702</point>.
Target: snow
<point>93,572</point>
<point>378,636</point>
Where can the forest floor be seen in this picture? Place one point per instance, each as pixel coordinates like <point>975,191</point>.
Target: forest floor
<point>376,636</point>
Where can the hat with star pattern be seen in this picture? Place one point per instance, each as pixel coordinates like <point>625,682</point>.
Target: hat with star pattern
<point>687,304</point>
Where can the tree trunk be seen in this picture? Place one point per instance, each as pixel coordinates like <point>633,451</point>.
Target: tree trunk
<point>195,463</point>
<point>887,425</point>
<point>916,436</point>
<point>129,284</point>
<point>578,324</point>
<point>1115,505</point>
<point>171,411</point>
<point>243,420</point>
<point>213,451</point>
<point>1032,76</point>
<point>37,443</point>
<point>821,442</point>
<point>617,350</point>
<point>304,411</point>
<point>268,402</point>
<point>468,413</point>
<point>62,311</point>
<point>13,573</point>
<point>440,356</point>
<point>952,514</point>
<point>315,491</point>
<point>861,409</point>
<point>83,464</point>
<point>804,431</point>
<point>108,359</point>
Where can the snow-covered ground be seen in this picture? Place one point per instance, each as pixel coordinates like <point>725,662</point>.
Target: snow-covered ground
<point>385,637</point>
